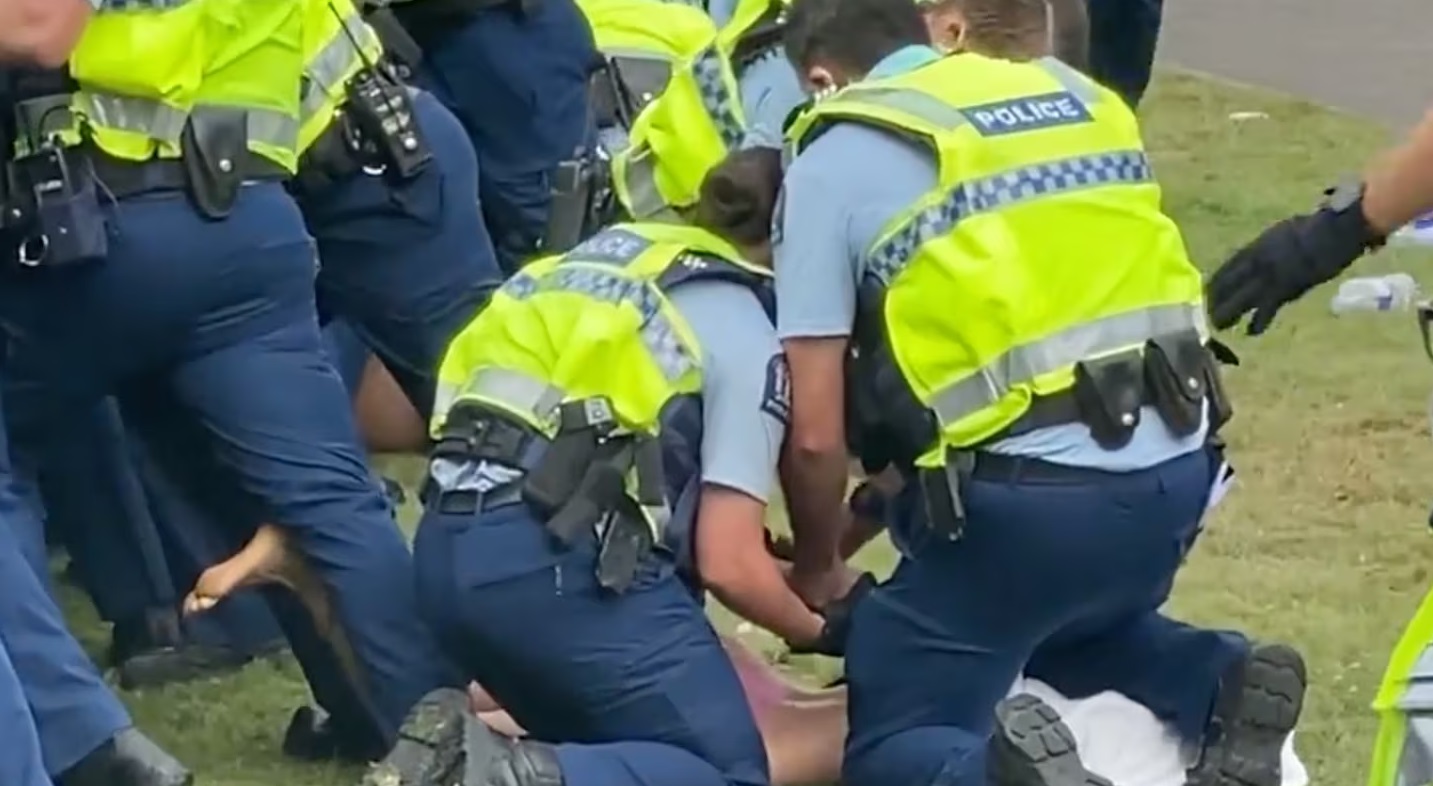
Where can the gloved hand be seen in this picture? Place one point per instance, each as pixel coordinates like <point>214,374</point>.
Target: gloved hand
<point>1287,260</point>
<point>837,616</point>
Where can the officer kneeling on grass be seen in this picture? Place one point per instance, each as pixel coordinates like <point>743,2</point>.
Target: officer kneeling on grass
<point>607,401</point>
<point>988,234</point>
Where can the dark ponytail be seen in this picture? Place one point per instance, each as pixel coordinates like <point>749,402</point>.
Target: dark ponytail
<point>738,196</point>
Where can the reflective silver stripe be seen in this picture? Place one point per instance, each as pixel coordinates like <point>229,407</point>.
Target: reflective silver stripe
<point>335,61</point>
<point>910,102</point>
<point>272,128</point>
<point>709,70</point>
<point>646,200</point>
<point>166,124</point>
<point>983,195</point>
<point>1072,80</point>
<point>137,115</point>
<point>658,333</point>
<point>1091,339</point>
<point>517,390</point>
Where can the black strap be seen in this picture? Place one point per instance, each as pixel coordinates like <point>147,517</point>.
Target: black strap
<point>122,178</point>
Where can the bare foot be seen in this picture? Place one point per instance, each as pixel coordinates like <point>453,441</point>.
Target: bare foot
<point>271,558</point>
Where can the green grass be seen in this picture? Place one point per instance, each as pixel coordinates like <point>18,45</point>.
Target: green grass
<point>1323,544</point>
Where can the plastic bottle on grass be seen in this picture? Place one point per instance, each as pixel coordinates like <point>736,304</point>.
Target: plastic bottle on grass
<point>1394,292</point>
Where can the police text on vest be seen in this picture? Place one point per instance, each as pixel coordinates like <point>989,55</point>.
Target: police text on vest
<point>1027,114</point>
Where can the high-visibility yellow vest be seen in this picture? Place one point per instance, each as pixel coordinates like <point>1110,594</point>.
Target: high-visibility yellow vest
<point>595,321</point>
<point>1403,749</point>
<point>143,74</point>
<point>1043,244</point>
<point>337,44</point>
<point>751,17</point>
<point>693,118</point>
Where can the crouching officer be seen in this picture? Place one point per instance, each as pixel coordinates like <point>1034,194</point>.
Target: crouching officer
<point>988,234</point>
<point>550,497</point>
<point>515,72</point>
<point>199,270</point>
<point>667,110</point>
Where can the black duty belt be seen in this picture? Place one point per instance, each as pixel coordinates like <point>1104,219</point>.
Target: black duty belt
<point>122,178</point>
<point>1002,468</point>
<point>465,503</point>
<point>1058,409</point>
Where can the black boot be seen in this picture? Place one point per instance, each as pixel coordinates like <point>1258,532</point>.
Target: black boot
<point>1260,698</point>
<point>1031,746</point>
<point>313,736</point>
<point>442,744</point>
<point>152,650</point>
<point>129,759</point>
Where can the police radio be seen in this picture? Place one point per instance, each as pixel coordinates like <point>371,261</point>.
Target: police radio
<point>384,130</point>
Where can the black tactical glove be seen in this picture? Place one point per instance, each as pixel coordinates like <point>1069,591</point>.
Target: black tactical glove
<point>837,616</point>
<point>1290,258</point>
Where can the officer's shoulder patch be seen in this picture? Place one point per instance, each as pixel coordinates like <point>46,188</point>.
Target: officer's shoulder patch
<point>776,398</point>
<point>1029,113</point>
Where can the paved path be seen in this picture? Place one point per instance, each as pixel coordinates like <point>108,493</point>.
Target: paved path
<point>1373,57</point>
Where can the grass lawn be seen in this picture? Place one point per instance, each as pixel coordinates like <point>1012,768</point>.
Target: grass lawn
<point>1323,544</point>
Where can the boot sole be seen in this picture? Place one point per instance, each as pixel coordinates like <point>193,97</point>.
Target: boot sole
<point>429,751</point>
<point>1271,700</point>
<point>1032,746</point>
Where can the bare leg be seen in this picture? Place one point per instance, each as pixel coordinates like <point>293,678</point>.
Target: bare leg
<point>268,558</point>
<point>804,728</point>
<point>386,418</point>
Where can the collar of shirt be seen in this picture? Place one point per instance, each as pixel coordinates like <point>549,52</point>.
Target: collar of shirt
<point>907,58</point>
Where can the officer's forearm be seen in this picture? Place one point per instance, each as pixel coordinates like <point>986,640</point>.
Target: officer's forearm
<point>1399,186</point>
<point>815,485</point>
<point>736,567</point>
<point>814,462</point>
<point>757,592</point>
<point>41,32</point>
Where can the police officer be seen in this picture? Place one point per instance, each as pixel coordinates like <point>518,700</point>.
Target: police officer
<point>988,234</point>
<point>666,104</point>
<point>60,720</point>
<point>515,72</point>
<point>199,268</point>
<point>405,258</point>
<point>626,678</point>
<point>1303,251</point>
<point>769,87</point>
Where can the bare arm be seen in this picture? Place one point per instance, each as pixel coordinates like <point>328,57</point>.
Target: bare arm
<point>736,567</point>
<point>813,470</point>
<point>1399,186</point>
<point>41,32</point>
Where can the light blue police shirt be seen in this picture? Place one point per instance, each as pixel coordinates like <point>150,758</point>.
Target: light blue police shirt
<point>770,90</point>
<point>838,194</point>
<point>746,395</point>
